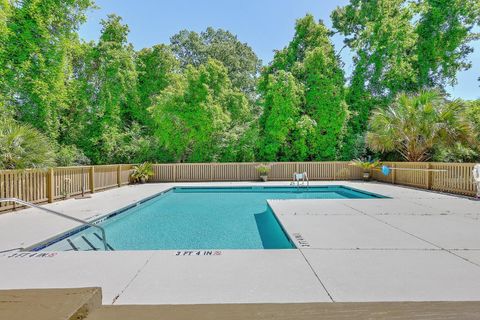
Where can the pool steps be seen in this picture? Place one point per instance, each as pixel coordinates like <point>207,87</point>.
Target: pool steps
<point>84,242</point>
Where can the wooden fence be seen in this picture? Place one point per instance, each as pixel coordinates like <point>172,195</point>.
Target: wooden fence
<point>48,185</point>
<point>53,184</point>
<point>445,177</point>
<point>198,172</point>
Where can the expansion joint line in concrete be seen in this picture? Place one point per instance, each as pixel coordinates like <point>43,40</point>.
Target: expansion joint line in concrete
<point>133,278</point>
<point>415,236</point>
<point>316,275</point>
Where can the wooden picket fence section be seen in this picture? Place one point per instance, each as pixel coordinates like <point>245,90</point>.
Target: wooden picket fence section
<point>48,185</point>
<point>445,177</point>
<point>37,186</point>
<point>280,171</point>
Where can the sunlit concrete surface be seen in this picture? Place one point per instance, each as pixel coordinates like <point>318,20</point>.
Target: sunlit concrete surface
<point>415,246</point>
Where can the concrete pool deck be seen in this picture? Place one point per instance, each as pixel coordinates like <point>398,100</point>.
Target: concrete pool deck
<point>416,246</point>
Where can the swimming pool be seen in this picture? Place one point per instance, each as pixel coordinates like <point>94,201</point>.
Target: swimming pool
<point>195,218</point>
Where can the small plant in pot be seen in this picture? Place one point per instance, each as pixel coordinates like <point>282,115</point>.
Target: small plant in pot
<point>367,167</point>
<point>142,172</point>
<point>263,169</point>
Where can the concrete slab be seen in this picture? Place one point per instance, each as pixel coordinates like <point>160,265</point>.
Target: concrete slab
<point>399,191</point>
<point>462,207</point>
<point>347,232</point>
<point>449,232</point>
<point>234,276</point>
<point>110,270</point>
<point>393,275</point>
<point>312,207</point>
<point>392,206</point>
<point>471,255</point>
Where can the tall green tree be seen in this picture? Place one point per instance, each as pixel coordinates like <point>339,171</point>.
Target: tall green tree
<point>325,102</point>
<point>382,38</point>
<point>310,57</point>
<point>78,117</point>
<point>401,46</point>
<point>242,63</point>
<point>156,67</point>
<point>381,34</point>
<point>360,103</point>
<point>445,31</point>
<point>196,111</point>
<point>5,11</point>
<point>116,73</point>
<point>105,103</point>
<point>282,98</point>
<point>35,59</point>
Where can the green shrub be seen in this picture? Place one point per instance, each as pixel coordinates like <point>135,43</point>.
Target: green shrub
<point>22,147</point>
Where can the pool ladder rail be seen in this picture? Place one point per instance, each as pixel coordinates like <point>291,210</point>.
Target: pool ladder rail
<point>300,179</point>
<point>83,222</point>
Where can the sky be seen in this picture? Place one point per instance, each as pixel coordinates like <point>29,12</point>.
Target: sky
<point>265,25</point>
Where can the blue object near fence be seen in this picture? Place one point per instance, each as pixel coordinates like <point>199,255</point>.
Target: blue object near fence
<point>385,170</point>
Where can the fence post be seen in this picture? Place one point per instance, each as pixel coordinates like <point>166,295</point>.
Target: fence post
<point>91,179</point>
<point>429,176</point>
<point>50,185</point>
<point>394,173</point>
<point>174,172</point>
<point>119,175</point>
<point>335,170</point>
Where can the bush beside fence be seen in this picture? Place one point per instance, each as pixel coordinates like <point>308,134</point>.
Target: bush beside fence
<point>39,186</point>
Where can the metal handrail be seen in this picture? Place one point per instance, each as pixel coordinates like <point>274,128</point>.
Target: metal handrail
<point>28,204</point>
<point>300,175</point>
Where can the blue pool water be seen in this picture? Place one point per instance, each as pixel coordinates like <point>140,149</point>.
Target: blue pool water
<point>201,218</point>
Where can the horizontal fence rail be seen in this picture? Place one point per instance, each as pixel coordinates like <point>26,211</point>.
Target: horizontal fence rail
<point>454,178</point>
<point>280,171</point>
<point>48,185</point>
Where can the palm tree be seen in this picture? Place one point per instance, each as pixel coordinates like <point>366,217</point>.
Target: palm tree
<point>22,146</point>
<point>414,124</point>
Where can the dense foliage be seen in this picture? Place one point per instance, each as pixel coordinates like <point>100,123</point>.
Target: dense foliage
<point>414,125</point>
<point>306,98</point>
<point>206,97</point>
<point>200,117</point>
<point>22,146</point>
<point>241,62</point>
<point>401,46</point>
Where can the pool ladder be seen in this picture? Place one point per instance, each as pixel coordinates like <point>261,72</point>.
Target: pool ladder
<point>300,179</point>
<point>83,222</point>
